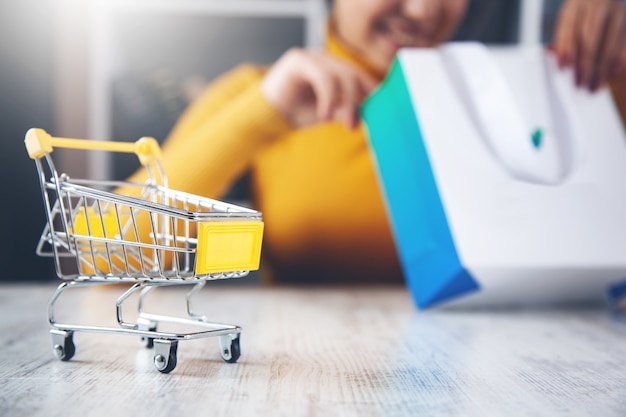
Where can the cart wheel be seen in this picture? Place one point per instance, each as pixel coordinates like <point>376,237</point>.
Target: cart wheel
<point>230,348</point>
<point>63,344</point>
<point>147,341</point>
<point>165,355</point>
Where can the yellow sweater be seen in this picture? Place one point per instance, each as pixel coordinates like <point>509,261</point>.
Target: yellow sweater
<point>316,187</point>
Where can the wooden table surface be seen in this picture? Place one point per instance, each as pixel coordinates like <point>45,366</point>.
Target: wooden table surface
<point>315,352</point>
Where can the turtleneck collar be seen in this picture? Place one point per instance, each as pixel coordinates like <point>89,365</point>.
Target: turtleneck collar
<point>337,47</point>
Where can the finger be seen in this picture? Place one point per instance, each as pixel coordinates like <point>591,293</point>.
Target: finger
<point>565,39</point>
<point>612,44</point>
<point>366,83</point>
<point>324,86</point>
<point>618,62</point>
<point>620,65</point>
<point>347,99</point>
<point>348,96</point>
<point>354,85</point>
<point>589,39</point>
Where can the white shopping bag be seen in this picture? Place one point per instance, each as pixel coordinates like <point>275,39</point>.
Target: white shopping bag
<point>504,183</point>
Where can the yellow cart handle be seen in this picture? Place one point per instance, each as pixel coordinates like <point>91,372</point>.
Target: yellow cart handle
<point>39,142</point>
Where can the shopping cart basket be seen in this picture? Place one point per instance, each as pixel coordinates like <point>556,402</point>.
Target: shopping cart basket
<point>147,235</point>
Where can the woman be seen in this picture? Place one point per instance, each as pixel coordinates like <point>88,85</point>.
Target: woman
<point>296,128</point>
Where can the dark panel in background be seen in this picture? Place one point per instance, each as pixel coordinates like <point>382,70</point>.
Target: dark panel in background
<point>497,22</point>
<point>163,56</point>
<point>26,100</point>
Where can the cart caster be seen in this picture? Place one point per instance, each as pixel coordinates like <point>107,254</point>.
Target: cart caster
<point>165,355</point>
<point>229,348</point>
<point>146,341</point>
<point>63,344</point>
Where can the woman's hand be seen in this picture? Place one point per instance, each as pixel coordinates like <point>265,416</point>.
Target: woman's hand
<point>591,37</point>
<point>308,87</point>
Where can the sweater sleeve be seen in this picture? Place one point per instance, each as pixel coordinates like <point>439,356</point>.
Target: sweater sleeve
<point>218,136</point>
<point>214,141</point>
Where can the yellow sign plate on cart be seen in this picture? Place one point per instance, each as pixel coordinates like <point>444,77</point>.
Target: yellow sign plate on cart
<point>227,246</point>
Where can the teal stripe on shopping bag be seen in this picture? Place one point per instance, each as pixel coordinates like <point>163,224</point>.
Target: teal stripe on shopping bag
<point>432,268</point>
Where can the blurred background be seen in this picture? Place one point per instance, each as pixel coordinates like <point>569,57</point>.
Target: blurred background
<point>122,69</point>
<point>116,69</point>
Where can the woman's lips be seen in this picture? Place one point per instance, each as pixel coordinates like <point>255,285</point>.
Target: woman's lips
<point>408,39</point>
<point>406,36</point>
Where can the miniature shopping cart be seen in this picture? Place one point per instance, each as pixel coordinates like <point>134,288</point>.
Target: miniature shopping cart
<point>144,234</point>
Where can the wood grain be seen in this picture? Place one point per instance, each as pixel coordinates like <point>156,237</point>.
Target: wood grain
<point>316,352</point>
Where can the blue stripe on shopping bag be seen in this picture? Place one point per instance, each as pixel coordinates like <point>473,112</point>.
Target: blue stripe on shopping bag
<point>431,265</point>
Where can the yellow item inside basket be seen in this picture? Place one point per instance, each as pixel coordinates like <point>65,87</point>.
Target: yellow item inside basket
<point>222,245</point>
<point>90,225</point>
